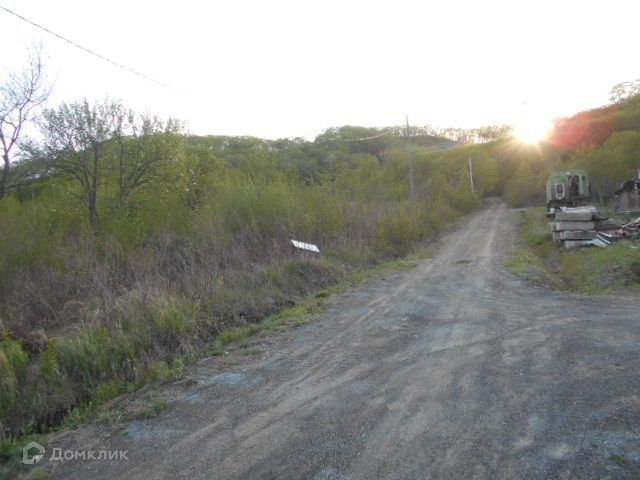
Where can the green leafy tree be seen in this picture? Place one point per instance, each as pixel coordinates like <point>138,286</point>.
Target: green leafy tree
<point>612,164</point>
<point>524,187</point>
<point>104,143</point>
<point>75,139</point>
<point>145,146</point>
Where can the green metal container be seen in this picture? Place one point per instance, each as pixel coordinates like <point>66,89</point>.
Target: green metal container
<point>568,189</point>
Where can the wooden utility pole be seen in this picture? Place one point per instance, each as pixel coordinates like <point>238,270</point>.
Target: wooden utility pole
<point>411,180</point>
<point>473,188</point>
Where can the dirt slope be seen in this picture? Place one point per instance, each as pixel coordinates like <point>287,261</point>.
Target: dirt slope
<point>453,369</point>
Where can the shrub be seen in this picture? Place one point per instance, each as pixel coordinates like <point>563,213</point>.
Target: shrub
<point>96,355</point>
<point>13,367</point>
<point>400,230</point>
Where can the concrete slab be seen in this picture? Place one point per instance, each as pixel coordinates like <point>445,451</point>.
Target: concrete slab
<point>565,225</point>
<point>590,208</point>
<point>575,243</point>
<point>577,235</point>
<point>579,216</point>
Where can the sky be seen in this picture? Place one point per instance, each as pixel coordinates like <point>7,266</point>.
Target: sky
<point>285,68</point>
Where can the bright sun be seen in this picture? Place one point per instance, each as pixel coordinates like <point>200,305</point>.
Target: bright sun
<point>532,130</point>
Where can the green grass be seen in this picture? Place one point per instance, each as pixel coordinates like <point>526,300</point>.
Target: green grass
<point>535,228</point>
<point>109,415</point>
<point>619,459</point>
<point>590,271</point>
<point>233,335</point>
<point>311,305</point>
<point>96,408</point>
<point>602,270</point>
<point>11,455</point>
<point>229,338</point>
<point>156,406</point>
<point>39,473</point>
<point>299,314</point>
<point>252,351</point>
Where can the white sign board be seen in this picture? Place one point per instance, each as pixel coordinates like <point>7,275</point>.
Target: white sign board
<point>305,246</point>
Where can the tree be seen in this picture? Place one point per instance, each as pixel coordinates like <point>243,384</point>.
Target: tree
<point>611,164</point>
<point>624,91</point>
<point>524,188</point>
<point>459,135</point>
<point>193,176</point>
<point>144,144</point>
<point>106,144</point>
<point>75,136</point>
<point>20,94</point>
<point>493,133</point>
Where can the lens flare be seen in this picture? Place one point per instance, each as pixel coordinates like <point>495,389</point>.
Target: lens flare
<point>532,130</point>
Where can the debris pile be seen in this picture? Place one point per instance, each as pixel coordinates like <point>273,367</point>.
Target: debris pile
<point>582,226</point>
<point>631,229</point>
<point>635,225</point>
<point>575,227</point>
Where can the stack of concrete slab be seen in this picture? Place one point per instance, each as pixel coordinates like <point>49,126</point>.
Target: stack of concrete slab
<point>575,227</point>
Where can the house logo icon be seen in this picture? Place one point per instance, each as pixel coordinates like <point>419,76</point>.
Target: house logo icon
<point>32,453</point>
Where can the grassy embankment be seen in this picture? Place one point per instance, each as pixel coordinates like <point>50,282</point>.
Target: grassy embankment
<point>590,271</point>
<point>112,407</point>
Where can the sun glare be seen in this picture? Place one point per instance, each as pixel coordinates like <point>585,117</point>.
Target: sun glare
<point>532,130</point>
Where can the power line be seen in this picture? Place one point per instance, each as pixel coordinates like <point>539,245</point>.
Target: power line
<point>466,164</point>
<point>89,51</point>
<point>469,165</point>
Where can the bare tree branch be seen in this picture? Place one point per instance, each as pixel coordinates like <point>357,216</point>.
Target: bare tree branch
<point>20,95</point>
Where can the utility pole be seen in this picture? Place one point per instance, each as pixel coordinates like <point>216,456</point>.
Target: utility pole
<point>411,181</point>
<point>473,189</point>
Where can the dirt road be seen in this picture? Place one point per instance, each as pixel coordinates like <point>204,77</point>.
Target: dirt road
<point>453,369</point>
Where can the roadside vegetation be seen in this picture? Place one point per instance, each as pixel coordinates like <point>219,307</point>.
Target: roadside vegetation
<point>128,246</point>
<point>589,271</point>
